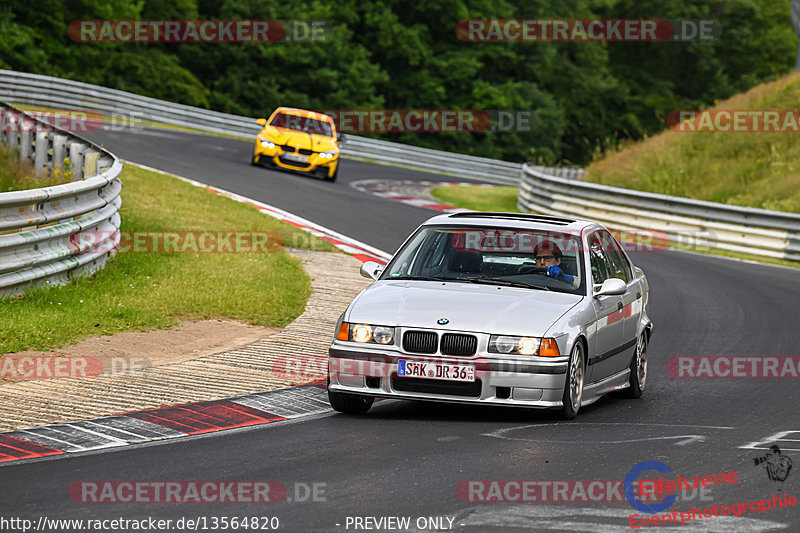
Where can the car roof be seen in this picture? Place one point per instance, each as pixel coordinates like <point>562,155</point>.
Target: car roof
<point>529,221</point>
<point>303,113</point>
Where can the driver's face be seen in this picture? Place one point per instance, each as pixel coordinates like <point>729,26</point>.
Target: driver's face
<point>546,259</point>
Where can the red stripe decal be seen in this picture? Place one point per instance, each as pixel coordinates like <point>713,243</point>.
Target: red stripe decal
<point>206,417</point>
<point>616,316</point>
<point>12,449</point>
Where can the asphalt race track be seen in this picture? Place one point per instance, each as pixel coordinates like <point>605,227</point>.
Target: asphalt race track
<point>407,459</point>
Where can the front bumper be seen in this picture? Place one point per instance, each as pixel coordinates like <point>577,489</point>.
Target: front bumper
<point>498,380</point>
<point>275,157</point>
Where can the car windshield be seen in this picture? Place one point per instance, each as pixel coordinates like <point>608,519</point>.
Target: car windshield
<point>301,123</point>
<point>502,256</point>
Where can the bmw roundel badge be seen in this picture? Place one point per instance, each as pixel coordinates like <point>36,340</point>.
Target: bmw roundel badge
<point>442,321</point>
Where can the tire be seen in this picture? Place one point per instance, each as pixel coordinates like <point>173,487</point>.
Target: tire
<point>351,404</point>
<point>253,161</point>
<point>335,174</point>
<point>638,377</point>
<point>573,387</point>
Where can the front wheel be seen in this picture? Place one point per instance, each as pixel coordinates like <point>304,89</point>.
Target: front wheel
<point>351,404</point>
<point>335,174</point>
<point>573,388</point>
<point>638,368</point>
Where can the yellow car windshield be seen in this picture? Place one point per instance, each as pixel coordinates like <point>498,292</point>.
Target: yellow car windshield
<point>300,123</point>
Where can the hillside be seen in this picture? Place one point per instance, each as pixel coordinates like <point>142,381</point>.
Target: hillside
<point>754,169</point>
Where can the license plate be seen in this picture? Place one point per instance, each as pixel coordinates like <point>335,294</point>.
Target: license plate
<point>434,370</point>
<point>296,157</point>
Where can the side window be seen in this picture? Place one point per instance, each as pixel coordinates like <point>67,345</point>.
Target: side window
<point>598,260</point>
<point>619,264</point>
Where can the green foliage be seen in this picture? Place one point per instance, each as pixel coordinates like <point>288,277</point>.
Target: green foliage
<point>751,169</point>
<point>392,54</point>
<point>142,291</point>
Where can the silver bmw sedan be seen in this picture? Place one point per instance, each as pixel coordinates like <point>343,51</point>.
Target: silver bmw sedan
<point>496,308</point>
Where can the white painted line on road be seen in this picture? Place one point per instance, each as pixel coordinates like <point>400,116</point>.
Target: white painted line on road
<point>129,429</point>
<point>765,443</point>
<point>684,439</point>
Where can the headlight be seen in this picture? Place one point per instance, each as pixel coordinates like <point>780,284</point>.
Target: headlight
<point>267,143</point>
<point>364,333</point>
<point>523,345</point>
<point>327,155</point>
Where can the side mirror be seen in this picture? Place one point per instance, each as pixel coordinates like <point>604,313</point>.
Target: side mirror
<point>371,270</point>
<point>340,138</point>
<point>611,287</point>
<point>262,122</point>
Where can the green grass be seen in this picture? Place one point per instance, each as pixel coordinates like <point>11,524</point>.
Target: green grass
<point>746,169</point>
<point>16,175</point>
<point>141,291</point>
<point>478,198</point>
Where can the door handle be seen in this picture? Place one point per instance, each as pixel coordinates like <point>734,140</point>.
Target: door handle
<point>638,295</point>
<point>620,306</point>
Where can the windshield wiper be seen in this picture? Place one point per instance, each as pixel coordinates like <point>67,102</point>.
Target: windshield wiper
<point>504,282</point>
<point>418,278</point>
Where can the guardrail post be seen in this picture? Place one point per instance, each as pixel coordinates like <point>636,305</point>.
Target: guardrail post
<point>59,152</point>
<point>90,157</point>
<point>25,140</point>
<point>10,129</point>
<point>103,163</point>
<point>76,151</point>
<point>40,155</point>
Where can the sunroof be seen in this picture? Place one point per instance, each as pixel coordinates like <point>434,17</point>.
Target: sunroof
<point>516,216</point>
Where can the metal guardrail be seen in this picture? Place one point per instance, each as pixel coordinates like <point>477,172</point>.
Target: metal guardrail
<point>37,225</point>
<point>686,222</point>
<point>463,166</point>
<point>542,189</point>
<point>57,93</point>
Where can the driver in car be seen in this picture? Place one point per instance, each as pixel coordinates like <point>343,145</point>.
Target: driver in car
<point>548,256</point>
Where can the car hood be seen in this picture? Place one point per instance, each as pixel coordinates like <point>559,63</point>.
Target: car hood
<point>467,307</point>
<point>299,139</point>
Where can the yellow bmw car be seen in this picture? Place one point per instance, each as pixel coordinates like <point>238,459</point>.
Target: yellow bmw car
<point>300,140</point>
